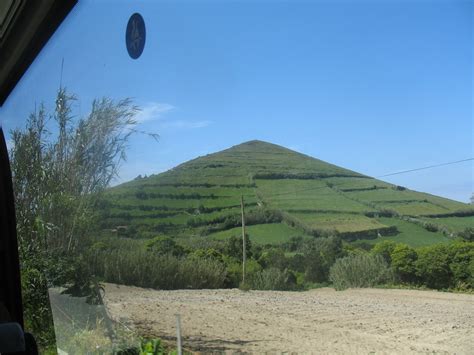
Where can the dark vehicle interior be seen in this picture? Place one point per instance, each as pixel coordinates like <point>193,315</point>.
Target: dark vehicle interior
<point>25,27</point>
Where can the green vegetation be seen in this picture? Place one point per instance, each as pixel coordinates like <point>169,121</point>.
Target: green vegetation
<point>308,222</point>
<point>202,198</point>
<point>272,233</point>
<point>456,224</point>
<point>409,233</point>
<point>58,180</point>
<point>359,270</point>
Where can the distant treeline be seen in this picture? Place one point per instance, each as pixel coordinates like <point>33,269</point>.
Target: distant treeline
<point>371,188</point>
<point>165,264</point>
<point>464,213</point>
<point>192,184</point>
<point>305,176</point>
<point>220,223</point>
<point>173,210</point>
<point>142,195</point>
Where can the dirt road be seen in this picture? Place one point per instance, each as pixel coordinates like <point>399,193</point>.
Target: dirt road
<point>357,321</point>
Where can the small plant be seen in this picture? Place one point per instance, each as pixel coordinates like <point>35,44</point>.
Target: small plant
<point>360,270</point>
<point>152,347</point>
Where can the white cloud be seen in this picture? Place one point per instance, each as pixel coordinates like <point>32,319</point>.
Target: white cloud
<point>156,111</point>
<point>153,111</point>
<point>181,124</point>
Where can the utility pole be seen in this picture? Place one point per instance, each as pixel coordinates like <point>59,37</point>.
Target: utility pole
<point>244,252</point>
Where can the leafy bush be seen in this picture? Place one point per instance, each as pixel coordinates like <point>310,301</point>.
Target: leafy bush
<point>362,270</point>
<point>234,271</point>
<point>467,234</point>
<point>403,262</point>
<point>164,245</point>
<point>431,227</point>
<point>320,254</point>
<point>385,250</point>
<point>146,269</point>
<point>272,279</point>
<point>462,264</point>
<point>432,266</point>
<point>234,247</point>
<point>273,258</point>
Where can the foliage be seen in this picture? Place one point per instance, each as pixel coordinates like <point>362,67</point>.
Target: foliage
<point>273,279</point>
<point>467,234</point>
<point>362,270</point>
<point>234,271</point>
<point>152,347</point>
<point>57,180</point>
<point>432,266</point>
<point>462,264</point>
<point>273,258</point>
<point>384,249</point>
<point>403,259</point>
<point>147,269</point>
<point>234,247</point>
<point>164,245</point>
<point>320,254</point>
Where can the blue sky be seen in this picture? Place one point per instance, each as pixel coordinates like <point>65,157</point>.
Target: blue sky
<point>373,86</point>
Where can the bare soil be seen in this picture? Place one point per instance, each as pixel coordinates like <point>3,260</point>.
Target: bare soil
<point>355,321</point>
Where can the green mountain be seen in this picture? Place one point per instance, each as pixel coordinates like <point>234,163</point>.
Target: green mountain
<point>285,194</point>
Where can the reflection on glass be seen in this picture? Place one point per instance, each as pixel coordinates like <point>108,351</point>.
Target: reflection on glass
<point>257,157</point>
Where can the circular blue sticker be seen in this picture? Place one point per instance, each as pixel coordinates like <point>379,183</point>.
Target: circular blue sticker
<point>135,35</point>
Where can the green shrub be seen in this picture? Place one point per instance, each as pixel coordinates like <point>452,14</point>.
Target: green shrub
<point>273,258</point>
<point>320,254</point>
<point>234,247</point>
<point>144,269</point>
<point>467,234</point>
<point>362,270</point>
<point>384,249</point>
<point>431,227</point>
<point>432,266</point>
<point>462,264</point>
<point>234,270</point>
<point>272,279</point>
<point>403,262</point>
<point>164,245</point>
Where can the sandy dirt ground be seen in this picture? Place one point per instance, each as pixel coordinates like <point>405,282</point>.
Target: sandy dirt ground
<point>356,321</point>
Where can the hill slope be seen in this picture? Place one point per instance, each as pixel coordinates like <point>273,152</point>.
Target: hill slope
<point>286,194</point>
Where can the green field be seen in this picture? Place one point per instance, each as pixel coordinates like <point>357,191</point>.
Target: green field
<point>203,195</point>
<point>339,221</point>
<point>272,233</point>
<point>455,224</point>
<point>410,233</point>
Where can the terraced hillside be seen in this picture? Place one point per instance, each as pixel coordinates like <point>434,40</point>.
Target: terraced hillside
<point>285,193</point>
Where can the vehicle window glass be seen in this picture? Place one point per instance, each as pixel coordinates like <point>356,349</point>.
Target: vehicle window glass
<point>254,158</point>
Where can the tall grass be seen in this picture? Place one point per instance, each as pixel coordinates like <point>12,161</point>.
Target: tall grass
<point>272,279</point>
<point>146,269</point>
<point>361,270</point>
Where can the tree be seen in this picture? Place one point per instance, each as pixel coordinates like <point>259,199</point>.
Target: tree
<point>384,249</point>
<point>403,260</point>
<point>320,254</point>
<point>432,266</point>
<point>234,247</point>
<point>462,263</point>
<point>58,179</point>
<point>164,245</point>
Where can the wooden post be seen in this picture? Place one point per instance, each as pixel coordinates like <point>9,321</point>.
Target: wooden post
<point>178,335</point>
<point>244,252</point>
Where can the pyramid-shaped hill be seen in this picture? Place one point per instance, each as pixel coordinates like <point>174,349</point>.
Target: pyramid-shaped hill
<point>286,194</point>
